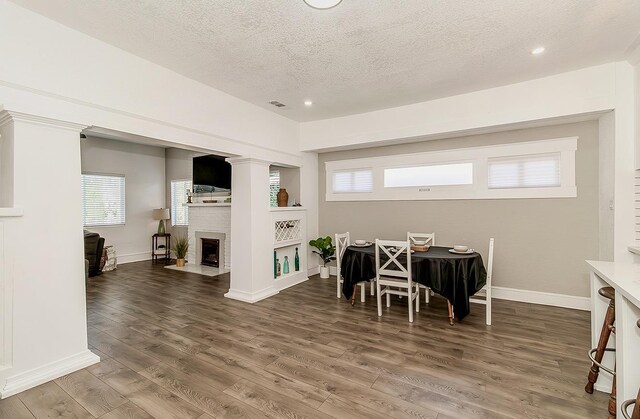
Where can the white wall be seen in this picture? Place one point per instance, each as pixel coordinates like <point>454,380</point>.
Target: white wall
<point>592,90</point>
<point>178,166</point>
<point>108,87</point>
<point>540,244</point>
<point>583,91</point>
<point>309,196</point>
<point>144,170</point>
<point>606,186</point>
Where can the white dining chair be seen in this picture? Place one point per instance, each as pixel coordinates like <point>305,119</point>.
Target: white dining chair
<point>394,275</point>
<point>485,292</point>
<point>342,242</point>
<point>430,239</point>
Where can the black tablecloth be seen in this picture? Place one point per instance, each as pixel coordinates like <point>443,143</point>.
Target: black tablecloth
<point>456,277</point>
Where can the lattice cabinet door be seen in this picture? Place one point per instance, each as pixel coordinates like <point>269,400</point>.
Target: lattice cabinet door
<point>287,230</point>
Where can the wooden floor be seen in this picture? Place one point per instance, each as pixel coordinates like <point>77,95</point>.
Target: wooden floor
<point>173,346</point>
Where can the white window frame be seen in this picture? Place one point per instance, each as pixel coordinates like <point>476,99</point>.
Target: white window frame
<point>352,171</point>
<point>124,200</point>
<point>173,211</point>
<point>479,156</point>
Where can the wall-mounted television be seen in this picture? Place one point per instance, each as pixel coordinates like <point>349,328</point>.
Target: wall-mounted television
<point>212,171</point>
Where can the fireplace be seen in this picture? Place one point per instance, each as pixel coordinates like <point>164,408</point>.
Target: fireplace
<point>195,252</point>
<point>210,252</point>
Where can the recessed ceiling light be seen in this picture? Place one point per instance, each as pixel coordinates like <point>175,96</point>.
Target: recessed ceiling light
<point>537,51</point>
<point>322,4</point>
<point>308,103</point>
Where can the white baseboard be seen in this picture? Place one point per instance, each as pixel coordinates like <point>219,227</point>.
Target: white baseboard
<point>290,281</point>
<point>544,298</point>
<point>527,296</point>
<point>48,372</point>
<point>316,270</point>
<point>133,257</point>
<point>249,297</point>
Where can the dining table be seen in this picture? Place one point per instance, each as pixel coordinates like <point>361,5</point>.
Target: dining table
<point>455,276</point>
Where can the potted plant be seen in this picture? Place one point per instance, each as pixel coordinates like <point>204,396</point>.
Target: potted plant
<point>326,250</point>
<point>180,248</point>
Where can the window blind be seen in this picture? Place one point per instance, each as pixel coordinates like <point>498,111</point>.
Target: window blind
<point>431,175</point>
<point>103,200</point>
<point>179,211</point>
<point>353,181</point>
<point>274,187</point>
<point>527,171</point>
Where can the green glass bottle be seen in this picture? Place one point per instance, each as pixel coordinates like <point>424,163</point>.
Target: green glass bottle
<point>296,261</point>
<point>285,266</point>
<point>275,264</point>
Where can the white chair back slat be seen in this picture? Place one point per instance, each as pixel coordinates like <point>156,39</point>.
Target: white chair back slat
<point>490,263</point>
<point>342,242</point>
<point>486,290</point>
<point>430,240</point>
<point>393,250</point>
<point>393,253</point>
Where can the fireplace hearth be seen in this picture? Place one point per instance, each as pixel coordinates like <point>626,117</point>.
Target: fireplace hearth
<point>210,252</point>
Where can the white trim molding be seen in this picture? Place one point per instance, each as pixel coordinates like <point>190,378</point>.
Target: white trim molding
<point>315,270</point>
<point>251,297</point>
<point>9,115</point>
<point>543,298</point>
<point>133,257</point>
<point>11,212</point>
<point>524,296</point>
<point>47,372</point>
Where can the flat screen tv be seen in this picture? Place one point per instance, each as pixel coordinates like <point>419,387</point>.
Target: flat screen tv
<point>212,171</point>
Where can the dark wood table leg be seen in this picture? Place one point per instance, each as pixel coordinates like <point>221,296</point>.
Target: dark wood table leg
<point>450,312</point>
<point>353,296</point>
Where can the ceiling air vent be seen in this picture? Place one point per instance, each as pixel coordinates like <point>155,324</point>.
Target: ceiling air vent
<point>277,104</point>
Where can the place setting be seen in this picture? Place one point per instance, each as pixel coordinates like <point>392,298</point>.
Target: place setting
<point>459,249</point>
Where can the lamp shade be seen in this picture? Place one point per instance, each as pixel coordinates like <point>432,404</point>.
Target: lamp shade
<point>161,214</point>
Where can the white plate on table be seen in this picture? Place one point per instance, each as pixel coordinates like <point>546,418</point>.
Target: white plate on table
<point>468,252</point>
<point>367,244</point>
<point>393,249</point>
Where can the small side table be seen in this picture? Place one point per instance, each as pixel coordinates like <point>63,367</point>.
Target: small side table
<point>161,248</point>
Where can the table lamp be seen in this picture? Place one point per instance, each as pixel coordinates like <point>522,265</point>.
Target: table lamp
<point>161,214</point>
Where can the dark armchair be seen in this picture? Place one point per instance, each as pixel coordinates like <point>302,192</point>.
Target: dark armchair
<point>93,246</point>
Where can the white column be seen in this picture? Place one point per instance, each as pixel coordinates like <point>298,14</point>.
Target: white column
<point>49,336</point>
<point>251,244</point>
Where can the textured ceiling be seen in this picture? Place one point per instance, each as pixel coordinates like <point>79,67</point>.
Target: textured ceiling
<point>362,55</point>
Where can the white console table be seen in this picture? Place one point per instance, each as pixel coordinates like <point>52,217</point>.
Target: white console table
<point>625,279</point>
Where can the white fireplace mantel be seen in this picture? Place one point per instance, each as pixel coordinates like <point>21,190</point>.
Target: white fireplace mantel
<point>209,204</point>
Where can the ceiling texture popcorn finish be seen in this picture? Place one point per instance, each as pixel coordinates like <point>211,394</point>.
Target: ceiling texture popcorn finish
<point>361,55</point>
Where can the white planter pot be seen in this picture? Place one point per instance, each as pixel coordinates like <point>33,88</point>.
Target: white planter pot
<point>324,272</point>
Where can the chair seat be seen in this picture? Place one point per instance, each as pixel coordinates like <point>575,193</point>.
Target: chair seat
<point>608,292</point>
